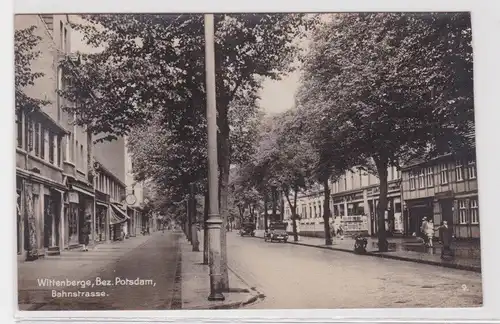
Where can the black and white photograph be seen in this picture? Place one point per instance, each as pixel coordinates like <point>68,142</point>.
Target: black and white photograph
<point>250,161</point>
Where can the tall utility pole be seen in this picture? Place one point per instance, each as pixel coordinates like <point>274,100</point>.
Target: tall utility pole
<point>214,220</point>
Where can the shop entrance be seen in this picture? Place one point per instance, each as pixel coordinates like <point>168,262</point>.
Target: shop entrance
<point>447,210</point>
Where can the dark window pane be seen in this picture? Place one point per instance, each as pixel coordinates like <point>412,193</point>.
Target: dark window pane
<point>59,151</point>
<point>19,124</point>
<point>51,147</point>
<point>42,142</point>
<point>37,139</point>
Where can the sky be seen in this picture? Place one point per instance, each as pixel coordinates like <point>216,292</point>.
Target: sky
<point>279,96</point>
<point>276,96</point>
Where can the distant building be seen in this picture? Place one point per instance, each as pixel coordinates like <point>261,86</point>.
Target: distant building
<point>353,199</point>
<point>135,196</point>
<point>444,188</point>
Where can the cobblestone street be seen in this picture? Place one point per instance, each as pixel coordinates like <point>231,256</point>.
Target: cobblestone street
<point>124,260</point>
<point>293,276</point>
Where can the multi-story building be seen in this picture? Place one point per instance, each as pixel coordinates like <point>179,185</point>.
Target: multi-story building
<point>444,188</point>
<point>135,196</point>
<point>353,202</point>
<point>46,149</point>
<point>62,179</point>
<point>113,220</point>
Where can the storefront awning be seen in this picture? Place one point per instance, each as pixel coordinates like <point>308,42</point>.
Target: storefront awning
<point>117,216</point>
<point>83,191</point>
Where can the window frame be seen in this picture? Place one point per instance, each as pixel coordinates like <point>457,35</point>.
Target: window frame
<point>443,174</point>
<point>471,166</point>
<point>459,170</point>
<point>412,180</point>
<point>429,177</point>
<point>462,212</point>
<point>19,129</point>
<point>52,148</point>
<point>421,179</point>
<point>474,217</point>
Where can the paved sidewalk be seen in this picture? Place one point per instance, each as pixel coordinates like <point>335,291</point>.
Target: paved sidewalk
<point>196,283</point>
<point>71,265</point>
<point>467,257</point>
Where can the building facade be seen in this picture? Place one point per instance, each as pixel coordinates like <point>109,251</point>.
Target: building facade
<point>139,221</point>
<point>443,189</point>
<point>110,182</point>
<point>353,203</point>
<point>42,135</point>
<point>64,182</point>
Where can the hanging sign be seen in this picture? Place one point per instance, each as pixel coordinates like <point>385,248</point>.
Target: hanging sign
<point>73,197</point>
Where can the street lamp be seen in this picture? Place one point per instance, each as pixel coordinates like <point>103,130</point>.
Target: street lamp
<point>214,220</point>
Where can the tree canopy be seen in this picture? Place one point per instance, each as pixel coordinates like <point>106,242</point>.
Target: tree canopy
<point>25,52</point>
<point>389,87</point>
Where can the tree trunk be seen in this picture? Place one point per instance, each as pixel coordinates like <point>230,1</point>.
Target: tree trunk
<point>293,208</point>
<point>282,207</point>
<point>382,165</point>
<point>224,192</point>
<point>32,248</point>
<point>274,203</point>
<point>265,210</point>
<point>205,229</point>
<point>326,212</point>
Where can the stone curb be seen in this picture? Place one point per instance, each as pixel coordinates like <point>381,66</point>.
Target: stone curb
<point>394,257</point>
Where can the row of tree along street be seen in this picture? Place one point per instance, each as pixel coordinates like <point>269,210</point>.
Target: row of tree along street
<point>375,90</point>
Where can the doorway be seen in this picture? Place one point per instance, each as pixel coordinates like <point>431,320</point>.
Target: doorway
<point>47,221</point>
<point>447,210</point>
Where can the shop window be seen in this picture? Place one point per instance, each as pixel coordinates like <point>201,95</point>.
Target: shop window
<point>474,211</point>
<point>462,210</point>
<point>397,207</point>
<point>459,170</point>
<point>430,177</point>
<point>443,173</point>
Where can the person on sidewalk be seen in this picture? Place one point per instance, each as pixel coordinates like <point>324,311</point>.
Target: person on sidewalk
<point>332,230</point>
<point>85,235</point>
<point>445,236</point>
<point>423,226</point>
<point>429,232</point>
<point>340,232</point>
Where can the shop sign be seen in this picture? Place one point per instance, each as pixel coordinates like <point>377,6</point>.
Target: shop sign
<point>73,197</point>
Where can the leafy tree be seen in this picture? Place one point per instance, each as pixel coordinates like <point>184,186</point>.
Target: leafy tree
<point>25,52</point>
<point>391,86</point>
<point>285,159</point>
<point>155,63</point>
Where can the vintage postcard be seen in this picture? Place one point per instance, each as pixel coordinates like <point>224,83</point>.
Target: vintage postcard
<point>246,161</point>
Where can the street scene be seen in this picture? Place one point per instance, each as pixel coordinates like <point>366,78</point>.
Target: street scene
<point>246,161</point>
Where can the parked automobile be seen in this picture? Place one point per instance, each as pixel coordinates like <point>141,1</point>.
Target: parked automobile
<point>276,232</point>
<point>247,229</point>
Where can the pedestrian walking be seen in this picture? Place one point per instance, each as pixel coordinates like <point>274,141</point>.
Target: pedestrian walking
<point>333,231</point>
<point>423,226</point>
<point>445,236</point>
<point>85,235</point>
<point>340,232</point>
<point>429,232</point>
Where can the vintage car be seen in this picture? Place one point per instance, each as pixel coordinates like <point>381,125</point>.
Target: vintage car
<point>247,229</point>
<point>276,232</point>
